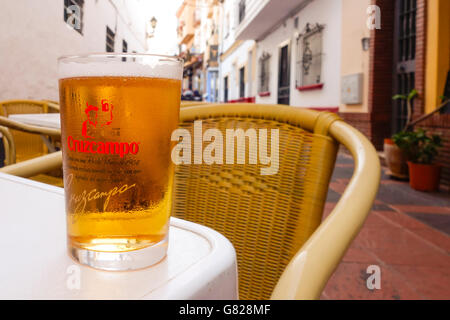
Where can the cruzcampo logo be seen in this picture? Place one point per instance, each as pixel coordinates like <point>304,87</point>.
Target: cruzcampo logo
<point>98,118</point>
<point>93,121</point>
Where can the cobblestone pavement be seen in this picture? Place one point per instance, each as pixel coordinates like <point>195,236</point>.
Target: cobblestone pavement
<point>407,234</point>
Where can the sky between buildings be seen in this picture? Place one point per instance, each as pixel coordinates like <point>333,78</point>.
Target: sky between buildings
<point>165,39</point>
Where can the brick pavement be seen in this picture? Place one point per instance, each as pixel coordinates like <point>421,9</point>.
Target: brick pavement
<point>407,234</point>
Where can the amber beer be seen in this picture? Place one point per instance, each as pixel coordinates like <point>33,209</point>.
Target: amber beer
<point>116,139</point>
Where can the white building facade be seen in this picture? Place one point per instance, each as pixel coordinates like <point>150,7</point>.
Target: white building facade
<point>297,50</point>
<point>236,59</point>
<point>36,33</point>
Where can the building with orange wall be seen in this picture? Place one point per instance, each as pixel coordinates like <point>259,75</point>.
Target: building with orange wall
<point>198,38</point>
<point>410,50</point>
<point>369,51</point>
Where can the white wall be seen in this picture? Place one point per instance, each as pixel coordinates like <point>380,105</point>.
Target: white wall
<point>228,31</point>
<point>34,35</point>
<point>327,12</point>
<point>230,67</point>
<point>237,58</point>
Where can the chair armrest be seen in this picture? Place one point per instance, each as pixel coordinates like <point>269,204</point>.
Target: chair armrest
<point>309,270</point>
<point>52,105</point>
<point>35,166</point>
<point>9,145</point>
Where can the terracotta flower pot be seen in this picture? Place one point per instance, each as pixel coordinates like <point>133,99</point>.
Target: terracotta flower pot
<point>424,177</point>
<point>395,160</point>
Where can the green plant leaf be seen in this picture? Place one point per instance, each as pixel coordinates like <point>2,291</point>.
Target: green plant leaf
<point>417,145</point>
<point>399,97</point>
<point>412,94</point>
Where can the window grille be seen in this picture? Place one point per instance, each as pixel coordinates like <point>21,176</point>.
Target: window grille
<point>309,56</point>
<point>264,74</point>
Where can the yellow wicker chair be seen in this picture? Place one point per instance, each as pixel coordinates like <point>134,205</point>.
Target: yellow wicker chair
<point>27,146</point>
<point>269,218</point>
<point>34,172</point>
<point>192,103</point>
<point>284,251</point>
<point>36,168</point>
<point>9,145</point>
<point>53,106</point>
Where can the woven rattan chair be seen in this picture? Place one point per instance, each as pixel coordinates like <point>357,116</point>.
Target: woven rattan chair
<point>274,221</point>
<point>9,146</point>
<point>35,168</point>
<point>284,251</point>
<point>27,146</point>
<point>53,106</point>
<point>192,103</point>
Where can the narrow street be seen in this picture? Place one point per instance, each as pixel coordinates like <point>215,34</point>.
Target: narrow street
<point>406,235</point>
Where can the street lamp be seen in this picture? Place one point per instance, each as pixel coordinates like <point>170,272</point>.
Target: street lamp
<point>153,22</point>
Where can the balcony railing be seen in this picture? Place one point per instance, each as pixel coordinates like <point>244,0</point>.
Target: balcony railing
<point>257,17</point>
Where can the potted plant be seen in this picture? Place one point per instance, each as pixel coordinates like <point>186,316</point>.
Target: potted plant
<point>395,158</point>
<point>420,150</point>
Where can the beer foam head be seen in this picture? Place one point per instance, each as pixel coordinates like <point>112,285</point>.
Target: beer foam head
<point>104,65</point>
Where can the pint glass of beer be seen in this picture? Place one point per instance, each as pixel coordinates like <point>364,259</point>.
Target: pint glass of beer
<point>118,112</point>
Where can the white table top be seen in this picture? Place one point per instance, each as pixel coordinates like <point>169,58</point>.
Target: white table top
<point>200,264</point>
<point>49,120</point>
